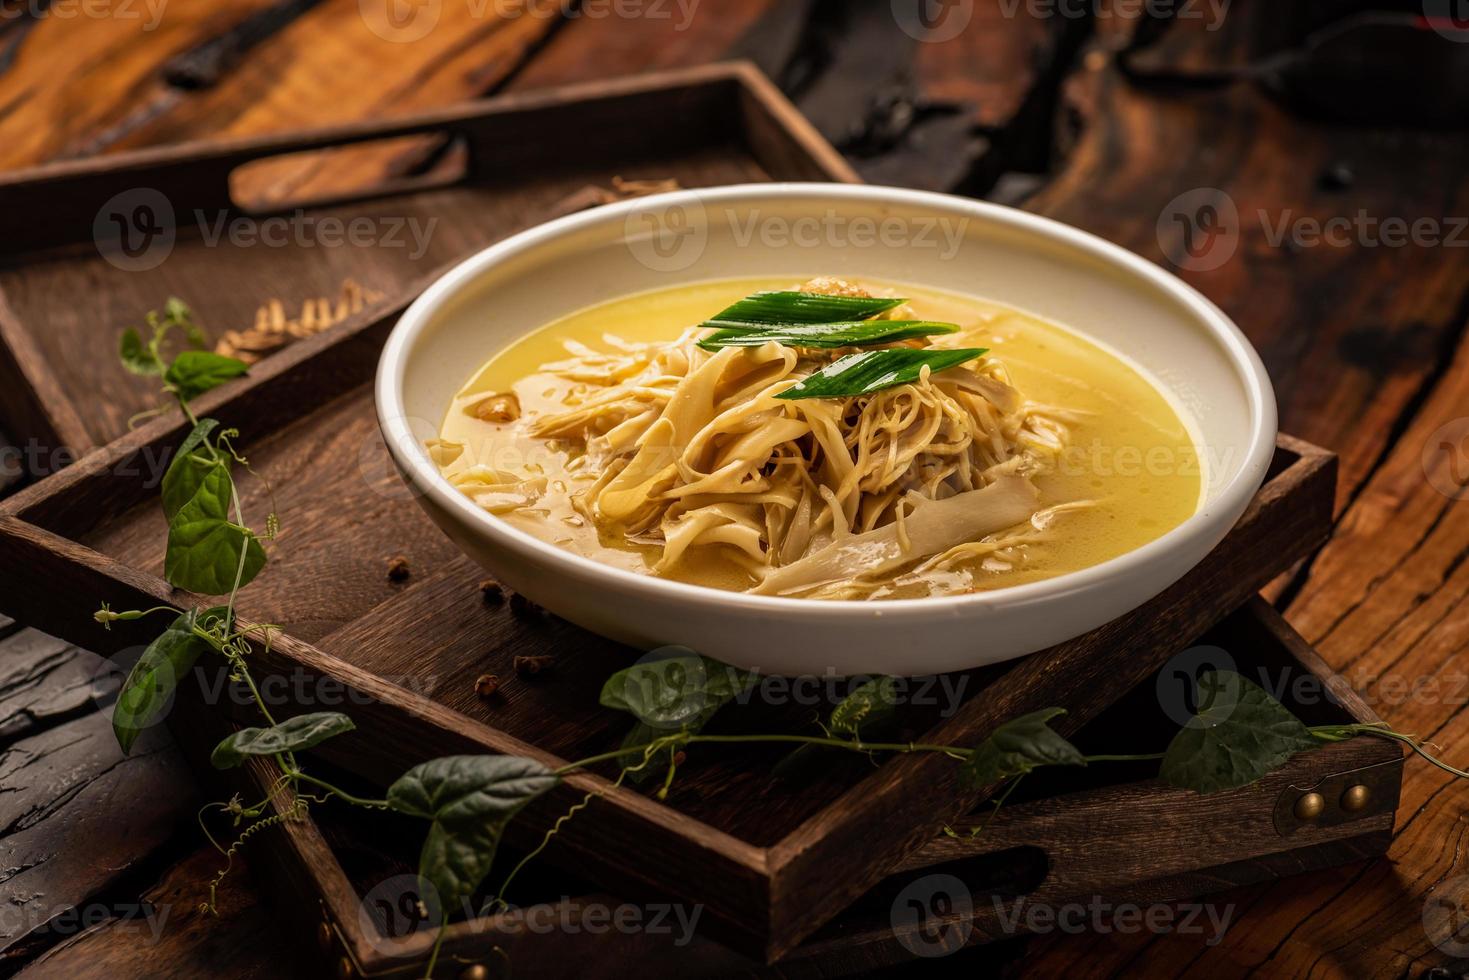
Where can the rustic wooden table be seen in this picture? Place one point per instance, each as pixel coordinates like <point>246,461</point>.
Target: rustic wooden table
<point>1365,340</point>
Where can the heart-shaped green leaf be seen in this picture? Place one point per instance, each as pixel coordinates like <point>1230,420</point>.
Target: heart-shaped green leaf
<point>678,692</point>
<point>291,735</point>
<point>1239,735</point>
<point>190,465</point>
<point>675,691</point>
<point>146,693</point>
<point>203,545</point>
<point>1017,747</point>
<point>469,798</point>
<point>194,372</point>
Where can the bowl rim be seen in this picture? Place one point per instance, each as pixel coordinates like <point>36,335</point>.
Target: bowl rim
<point>1229,503</point>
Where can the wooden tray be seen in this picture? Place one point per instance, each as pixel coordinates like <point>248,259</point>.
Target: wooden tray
<point>79,240</point>
<point>1108,836</point>
<point>769,862</point>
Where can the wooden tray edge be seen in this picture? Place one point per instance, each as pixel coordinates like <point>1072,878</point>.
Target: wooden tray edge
<point>307,858</point>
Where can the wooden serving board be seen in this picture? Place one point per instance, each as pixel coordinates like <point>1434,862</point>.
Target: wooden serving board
<point>771,862</point>
<point>1100,838</point>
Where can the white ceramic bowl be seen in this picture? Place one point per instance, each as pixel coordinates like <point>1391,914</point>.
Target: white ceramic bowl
<point>1193,352</point>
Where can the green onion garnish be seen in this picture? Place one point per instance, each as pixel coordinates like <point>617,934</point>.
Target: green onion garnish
<point>856,333</point>
<point>874,370</point>
<point>787,307</point>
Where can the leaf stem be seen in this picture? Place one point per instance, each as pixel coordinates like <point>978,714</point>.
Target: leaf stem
<point>836,743</point>
<point>850,745</point>
<point>855,745</point>
<point>1336,733</point>
<point>238,662</point>
<point>576,808</point>
<point>1149,757</point>
<point>433,956</point>
<point>183,406</point>
<point>343,794</point>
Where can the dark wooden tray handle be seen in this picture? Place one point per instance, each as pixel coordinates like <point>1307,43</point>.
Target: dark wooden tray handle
<point>1120,841</point>
<point>435,146</point>
<point>67,203</point>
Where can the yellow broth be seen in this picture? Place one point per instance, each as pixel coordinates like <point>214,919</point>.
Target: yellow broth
<point>1129,450</point>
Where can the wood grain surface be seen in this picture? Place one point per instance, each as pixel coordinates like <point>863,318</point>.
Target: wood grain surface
<point>1366,346</point>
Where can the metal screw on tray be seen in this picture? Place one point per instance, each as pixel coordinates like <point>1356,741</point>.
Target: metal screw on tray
<point>1310,806</point>
<point>1356,798</point>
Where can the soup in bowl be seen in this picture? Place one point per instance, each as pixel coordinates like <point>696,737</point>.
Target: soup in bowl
<point>965,437</point>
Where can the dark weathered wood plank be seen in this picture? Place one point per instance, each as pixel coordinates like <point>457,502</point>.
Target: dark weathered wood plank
<point>1351,333</point>
<point>602,44</point>
<point>44,683</point>
<point>254,66</point>
<point>470,49</point>
<point>78,821</point>
<point>991,67</point>
<point>117,58</point>
<point>244,941</point>
<point>916,109</point>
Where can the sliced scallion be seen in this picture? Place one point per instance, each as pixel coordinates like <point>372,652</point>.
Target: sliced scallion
<point>874,370</point>
<point>854,333</point>
<point>787,307</point>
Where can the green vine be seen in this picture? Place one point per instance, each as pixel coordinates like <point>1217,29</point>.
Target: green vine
<point>1239,735</point>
